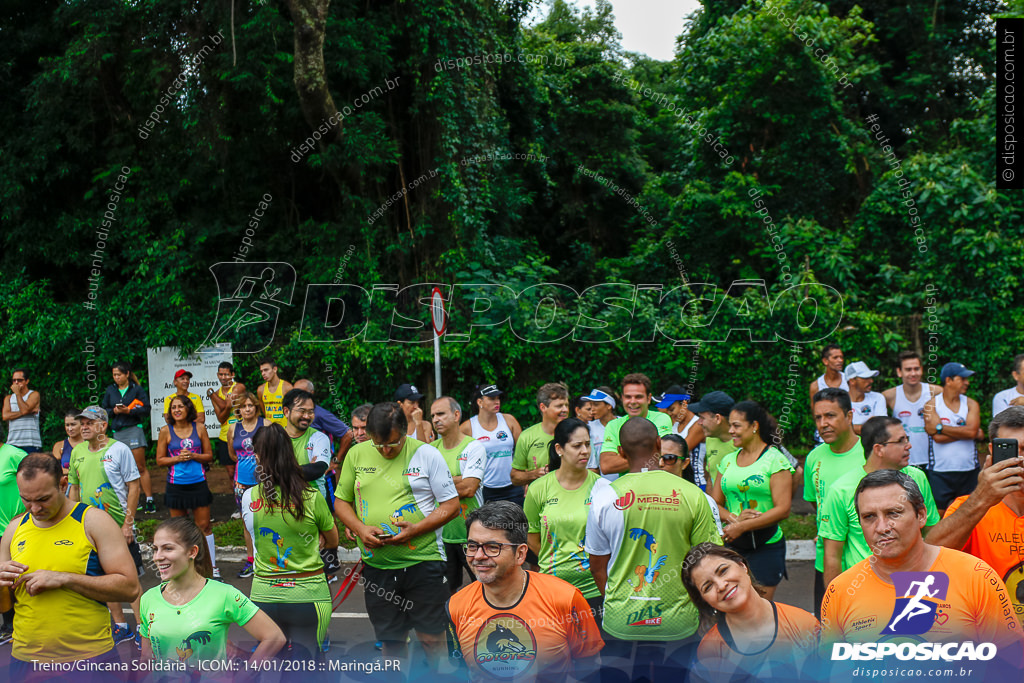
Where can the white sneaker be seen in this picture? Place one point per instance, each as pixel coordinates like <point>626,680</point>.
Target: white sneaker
<point>236,515</point>
<point>216,573</point>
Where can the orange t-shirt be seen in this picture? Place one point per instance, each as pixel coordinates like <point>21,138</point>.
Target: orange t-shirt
<point>859,606</point>
<point>795,646</point>
<point>540,636</point>
<point>999,540</point>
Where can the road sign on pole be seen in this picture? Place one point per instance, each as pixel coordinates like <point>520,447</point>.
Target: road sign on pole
<point>439,319</point>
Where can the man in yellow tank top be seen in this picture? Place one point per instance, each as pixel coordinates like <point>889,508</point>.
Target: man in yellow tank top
<point>271,392</point>
<point>64,560</point>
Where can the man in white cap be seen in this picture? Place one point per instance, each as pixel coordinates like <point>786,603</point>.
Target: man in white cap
<point>866,403</point>
<point>953,421</point>
<point>603,405</point>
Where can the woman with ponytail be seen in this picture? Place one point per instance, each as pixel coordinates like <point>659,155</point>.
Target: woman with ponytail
<point>288,520</point>
<point>556,508</point>
<point>754,493</point>
<point>186,618</point>
<point>128,405</point>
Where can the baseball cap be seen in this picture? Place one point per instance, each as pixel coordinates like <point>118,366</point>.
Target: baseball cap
<point>486,390</point>
<point>179,373</point>
<point>408,391</point>
<point>859,369</point>
<point>598,396</point>
<point>94,413</point>
<point>717,402</point>
<point>672,394</point>
<point>954,370</point>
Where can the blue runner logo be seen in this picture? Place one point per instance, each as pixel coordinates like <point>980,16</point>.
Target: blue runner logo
<point>918,597</point>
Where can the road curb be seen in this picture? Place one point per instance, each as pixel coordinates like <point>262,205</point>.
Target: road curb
<point>797,551</point>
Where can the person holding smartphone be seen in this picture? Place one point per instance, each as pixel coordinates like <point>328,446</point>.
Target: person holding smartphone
<point>988,523</point>
<point>127,403</point>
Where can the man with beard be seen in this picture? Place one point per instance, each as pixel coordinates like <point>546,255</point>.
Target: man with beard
<point>312,448</point>
<point>512,622</point>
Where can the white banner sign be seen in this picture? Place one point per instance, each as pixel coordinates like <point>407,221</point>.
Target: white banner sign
<point>165,361</point>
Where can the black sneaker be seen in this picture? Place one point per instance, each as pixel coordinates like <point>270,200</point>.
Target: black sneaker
<point>150,507</point>
<point>6,634</point>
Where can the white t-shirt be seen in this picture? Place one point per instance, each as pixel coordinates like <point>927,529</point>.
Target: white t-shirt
<point>873,405</point>
<point>1002,400</point>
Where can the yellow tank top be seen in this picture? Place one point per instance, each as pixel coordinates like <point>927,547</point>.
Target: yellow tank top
<point>230,397</point>
<point>58,625</point>
<point>272,402</point>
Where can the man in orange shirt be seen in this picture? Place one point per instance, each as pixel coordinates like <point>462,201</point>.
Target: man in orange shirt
<point>989,523</point>
<point>910,591</point>
<point>512,623</point>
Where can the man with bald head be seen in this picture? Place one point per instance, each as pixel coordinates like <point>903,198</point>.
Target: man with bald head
<point>639,529</point>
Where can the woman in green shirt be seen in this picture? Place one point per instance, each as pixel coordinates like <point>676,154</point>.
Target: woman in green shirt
<point>556,508</point>
<point>186,618</point>
<point>288,521</point>
<point>754,493</point>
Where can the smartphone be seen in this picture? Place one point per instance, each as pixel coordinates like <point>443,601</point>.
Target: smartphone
<point>384,537</point>
<point>1003,449</point>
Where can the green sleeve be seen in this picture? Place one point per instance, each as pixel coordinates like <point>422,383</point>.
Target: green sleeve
<point>238,607</point>
<point>611,437</point>
<point>519,456</point>
<point>778,463</point>
<point>73,479</point>
<point>321,513</point>
<point>532,505</point>
<point>809,477</point>
<point>929,500</point>
<point>347,480</point>
<point>704,527</point>
<point>834,523</point>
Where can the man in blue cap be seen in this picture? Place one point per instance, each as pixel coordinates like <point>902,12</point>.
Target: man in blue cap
<point>686,424</point>
<point>953,421</point>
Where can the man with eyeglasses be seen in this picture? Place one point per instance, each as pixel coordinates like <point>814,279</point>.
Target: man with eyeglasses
<point>989,523</point>
<point>513,623</point>
<point>395,494</point>
<point>312,447</point>
<point>888,448</point>
<point>21,413</point>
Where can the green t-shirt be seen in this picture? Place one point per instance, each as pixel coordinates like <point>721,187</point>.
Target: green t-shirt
<point>197,630</point>
<point>10,499</point>
<point>467,459</point>
<point>839,521</point>
<point>822,469</point>
<point>531,448</point>
<point>102,476</point>
<point>284,543</point>
<point>715,450</point>
<point>407,487</point>
<point>749,488</point>
<point>560,517</point>
<point>611,431</point>
<point>647,522</point>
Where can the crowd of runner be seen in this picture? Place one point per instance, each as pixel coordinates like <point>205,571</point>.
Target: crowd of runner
<point>622,532</point>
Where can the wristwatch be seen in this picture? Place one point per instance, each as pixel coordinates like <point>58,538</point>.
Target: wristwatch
<point>938,428</point>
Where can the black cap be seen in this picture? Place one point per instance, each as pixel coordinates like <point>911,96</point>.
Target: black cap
<point>408,391</point>
<point>489,390</point>
<point>717,402</point>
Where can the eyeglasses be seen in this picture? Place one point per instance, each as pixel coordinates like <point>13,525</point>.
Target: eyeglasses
<point>380,446</point>
<point>17,379</point>
<point>903,441</point>
<point>304,411</point>
<point>491,549</point>
<point>669,458</point>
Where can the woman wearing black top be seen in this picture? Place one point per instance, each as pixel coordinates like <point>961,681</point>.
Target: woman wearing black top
<point>127,404</point>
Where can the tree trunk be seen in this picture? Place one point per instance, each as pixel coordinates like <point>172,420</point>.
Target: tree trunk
<point>310,20</point>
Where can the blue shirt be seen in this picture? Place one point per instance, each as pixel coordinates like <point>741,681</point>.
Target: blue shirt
<point>327,422</point>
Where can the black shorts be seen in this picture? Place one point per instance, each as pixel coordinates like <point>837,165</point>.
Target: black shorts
<point>516,494</point>
<point>457,561</point>
<point>767,562</point>
<point>136,552</point>
<point>220,452</point>
<point>948,486</point>
<point>304,624</point>
<point>401,599</point>
<point>819,592</point>
<point>187,496</point>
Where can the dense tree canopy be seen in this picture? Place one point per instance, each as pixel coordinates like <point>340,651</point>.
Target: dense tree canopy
<point>474,149</point>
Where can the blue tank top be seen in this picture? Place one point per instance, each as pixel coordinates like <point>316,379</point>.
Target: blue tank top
<point>190,472</point>
<point>245,470</point>
<point>65,454</point>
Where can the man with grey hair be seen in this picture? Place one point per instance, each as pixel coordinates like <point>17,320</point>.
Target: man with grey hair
<point>984,523</point>
<point>466,458</point>
<point>359,416</point>
<point>543,622</point>
<point>906,583</point>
